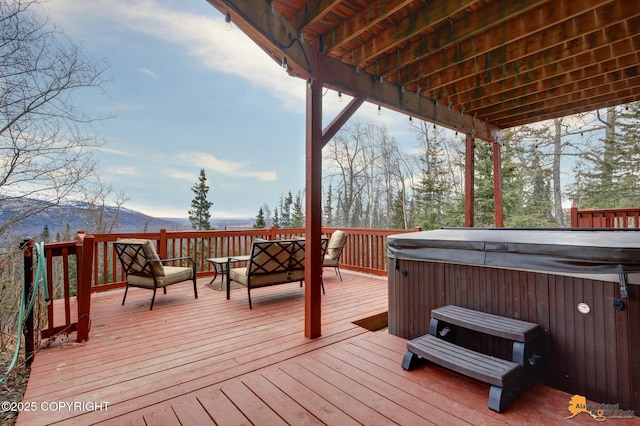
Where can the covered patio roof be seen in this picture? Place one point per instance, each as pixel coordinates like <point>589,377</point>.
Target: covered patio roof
<point>476,67</point>
<point>472,66</point>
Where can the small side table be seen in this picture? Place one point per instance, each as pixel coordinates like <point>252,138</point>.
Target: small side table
<point>219,265</point>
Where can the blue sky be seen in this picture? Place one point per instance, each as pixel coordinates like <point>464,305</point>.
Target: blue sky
<point>189,95</point>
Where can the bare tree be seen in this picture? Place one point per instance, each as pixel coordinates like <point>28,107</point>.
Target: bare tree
<point>348,166</point>
<point>98,196</point>
<point>46,142</point>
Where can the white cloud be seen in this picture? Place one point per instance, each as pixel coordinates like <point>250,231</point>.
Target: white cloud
<point>148,72</point>
<point>201,36</point>
<point>228,168</point>
<point>123,170</point>
<point>178,174</point>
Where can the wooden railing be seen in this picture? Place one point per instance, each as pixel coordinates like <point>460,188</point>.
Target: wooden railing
<point>91,263</point>
<point>605,218</point>
<point>68,264</point>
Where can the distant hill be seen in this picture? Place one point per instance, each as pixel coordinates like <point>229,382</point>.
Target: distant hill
<point>77,216</point>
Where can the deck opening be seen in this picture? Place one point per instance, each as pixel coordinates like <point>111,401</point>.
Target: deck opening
<point>374,323</point>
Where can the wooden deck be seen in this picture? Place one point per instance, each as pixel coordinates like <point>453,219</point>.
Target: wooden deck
<point>213,361</point>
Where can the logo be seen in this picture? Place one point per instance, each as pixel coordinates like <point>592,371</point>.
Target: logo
<point>600,412</point>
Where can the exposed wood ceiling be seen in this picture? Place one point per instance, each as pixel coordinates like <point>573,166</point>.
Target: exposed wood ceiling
<point>474,66</point>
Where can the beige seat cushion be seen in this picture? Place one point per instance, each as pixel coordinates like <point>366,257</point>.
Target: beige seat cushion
<point>239,275</point>
<point>172,275</point>
<point>330,261</point>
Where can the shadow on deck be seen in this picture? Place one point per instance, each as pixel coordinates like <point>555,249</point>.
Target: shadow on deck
<point>213,361</point>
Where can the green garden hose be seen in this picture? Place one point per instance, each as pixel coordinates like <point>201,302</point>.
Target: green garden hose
<point>41,276</point>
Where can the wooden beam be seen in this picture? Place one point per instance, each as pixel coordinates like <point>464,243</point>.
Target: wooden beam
<point>314,11</point>
<point>313,201</point>
<point>497,185</point>
<point>469,181</point>
<point>344,115</point>
<point>343,77</point>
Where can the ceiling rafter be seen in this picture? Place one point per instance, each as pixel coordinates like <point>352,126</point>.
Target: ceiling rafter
<point>493,70</point>
<point>531,31</point>
<point>611,83</point>
<point>583,46</point>
<point>578,105</point>
<point>556,86</point>
<point>313,13</point>
<point>451,35</point>
<point>362,22</point>
<point>410,26</point>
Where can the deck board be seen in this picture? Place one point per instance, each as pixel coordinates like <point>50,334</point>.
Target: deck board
<point>214,361</point>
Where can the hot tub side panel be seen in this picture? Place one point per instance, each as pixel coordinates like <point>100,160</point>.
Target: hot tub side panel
<point>594,354</point>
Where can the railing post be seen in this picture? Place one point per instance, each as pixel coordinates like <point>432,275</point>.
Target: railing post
<point>84,255</point>
<point>28,331</point>
<point>272,233</point>
<point>574,216</point>
<point>162,244</point>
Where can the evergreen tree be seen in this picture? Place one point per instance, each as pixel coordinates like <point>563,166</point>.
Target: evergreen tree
<point>45,235</point>
<point>297,217</point>
<point>200,215</point>
<point>484,207</point>
<point>285,211</point>
<point>538,201</point>
<point>328,208</point>
<point>608,172</point>
<point>276,218</point>
<point>67,233</point>
<point>260,222</point>
<point>433,191</point>
<point>397,212</point>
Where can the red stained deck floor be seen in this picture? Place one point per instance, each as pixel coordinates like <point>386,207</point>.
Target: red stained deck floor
<point>213,361</point>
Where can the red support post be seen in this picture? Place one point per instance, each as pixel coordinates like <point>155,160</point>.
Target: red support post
<point>313,225</point>
<point>84,255</point>
<point>574,216</point>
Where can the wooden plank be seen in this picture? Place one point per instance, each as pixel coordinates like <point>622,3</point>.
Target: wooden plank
<point>343,394</point>
<point>287,407</point>
<point>191,412</point>
<point>252,407</point>
<point>162,416</point>
<point>222,411</point>
<point>308,399</point>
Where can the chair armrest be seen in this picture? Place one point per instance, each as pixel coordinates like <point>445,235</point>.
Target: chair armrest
<point>193,262</point>
<point>177,258</point>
